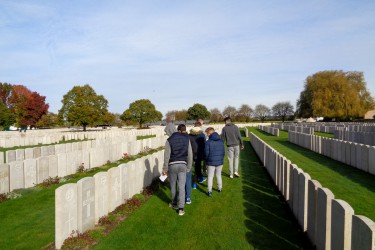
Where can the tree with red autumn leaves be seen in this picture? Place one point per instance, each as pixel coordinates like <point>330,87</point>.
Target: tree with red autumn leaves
<point>27,106</point>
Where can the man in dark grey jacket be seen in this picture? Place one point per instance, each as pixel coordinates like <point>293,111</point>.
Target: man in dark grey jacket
<point>232,137</point>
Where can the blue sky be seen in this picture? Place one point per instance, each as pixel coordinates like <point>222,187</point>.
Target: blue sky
<point>177,53</point>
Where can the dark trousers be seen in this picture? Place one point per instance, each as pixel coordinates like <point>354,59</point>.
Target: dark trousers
<point>198,168</point>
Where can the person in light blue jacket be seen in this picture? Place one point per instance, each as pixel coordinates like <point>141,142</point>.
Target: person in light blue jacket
<point>214,153</point>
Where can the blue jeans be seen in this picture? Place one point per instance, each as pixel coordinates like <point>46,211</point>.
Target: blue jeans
<point>188,185</point>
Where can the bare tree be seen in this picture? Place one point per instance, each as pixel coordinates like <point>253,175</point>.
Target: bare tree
<point>230,111</point>
<point>261,112</point>
<point>216,115</point>
<point>244,113</point>
<point>282,110</point>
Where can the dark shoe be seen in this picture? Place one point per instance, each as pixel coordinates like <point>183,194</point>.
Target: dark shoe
<point>220,191</point>
<point>203,179</point>
<point>174,206</point>
<point>209,194</point>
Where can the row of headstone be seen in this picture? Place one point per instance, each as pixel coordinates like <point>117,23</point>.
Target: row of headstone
<point>329,223</point>
<point>269,130</point>
<point>353,154</point>
<point>367,138</point>
<point>294,128</point>
<point>26,173</point>
<point>79,206</point>
<point>37,137</point>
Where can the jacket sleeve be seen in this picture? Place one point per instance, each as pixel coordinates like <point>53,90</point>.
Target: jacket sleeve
<point>190,158</point>
<point>167,155</point>
<point>207,150</point>
<point>222,136</point>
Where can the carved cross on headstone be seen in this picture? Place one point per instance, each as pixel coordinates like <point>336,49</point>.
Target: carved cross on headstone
<point>69,221</point>
<point>116,187</point>
<point>89,199</point>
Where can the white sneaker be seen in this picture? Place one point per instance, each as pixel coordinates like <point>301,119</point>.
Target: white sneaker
<point>181,212</point>
<point>231,176</point>
<point>236,174</point>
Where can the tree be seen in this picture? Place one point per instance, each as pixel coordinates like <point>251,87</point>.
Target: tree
<point>142,111</point>
<point>6,91</point>
<point>82,106</point>
<point>108,118</point>
<point>244,113</point>
<point>197,111</point>
<point>282,110</point>
<point>32,110</point>
<point>334,94</point>
<point>7,117</point>
<point>261,111</point>
<point>48,120</point>
<point>181,115</point>
<point>216,115</point>
<point>230,111</point>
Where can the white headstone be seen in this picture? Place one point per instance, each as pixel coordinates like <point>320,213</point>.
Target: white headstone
<point>37,152</point>
<point>10,156</point>
<point>101,195</point>
<point>2,160</point>
<point>124,181</point>
<point>86,204</point>
<point>52,166</point>
<point>312,209</point>
<point>371,159</point>
<point>29,153</point>
<point>66,214</point>
<point>4,178</point>
<point>44,151</point>
<point>363,233</point>
<point>323,222</point>
<point>30,169</point>
<point>42,168</point>
<point>302,199</point>
<point>20,154</point>
<point>61,165</point>
<point>341,225</point>
<point>16,175</point>
<point>114,188</point>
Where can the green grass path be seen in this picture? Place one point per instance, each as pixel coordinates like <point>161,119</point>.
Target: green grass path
<point>247,215</point>
<point>347,183</point>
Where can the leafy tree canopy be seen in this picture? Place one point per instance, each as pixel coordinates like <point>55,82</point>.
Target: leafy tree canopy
<point>197,111</point>
<point>82,106</point>
<point>142,111</point>
<point>282,110</point>
<point>335,94</point>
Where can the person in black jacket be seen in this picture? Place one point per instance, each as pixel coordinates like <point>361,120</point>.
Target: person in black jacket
<point>214,152</point>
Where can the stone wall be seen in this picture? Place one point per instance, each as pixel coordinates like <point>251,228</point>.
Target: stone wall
<point>353,154</point>
<point>367,138</point>
<point>79,206</point>
<point>328,222</point>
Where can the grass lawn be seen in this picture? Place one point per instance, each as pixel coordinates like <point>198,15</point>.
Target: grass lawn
<point>347,183</point>
<point>28,222</point>
<point>247,215</point>
<point>141,137</point>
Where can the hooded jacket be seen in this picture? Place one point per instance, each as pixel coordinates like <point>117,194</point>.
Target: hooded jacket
<point>197,134</point>
<point>214,150</point>
<point>170,129</point>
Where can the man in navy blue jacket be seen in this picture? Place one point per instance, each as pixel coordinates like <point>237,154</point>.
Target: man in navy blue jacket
<point>214,152</point>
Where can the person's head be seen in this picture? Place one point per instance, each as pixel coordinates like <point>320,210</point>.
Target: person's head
<point>181,128</point>
<point>209,131</point>
<point>197,124</point>
<point>227,120</point>
<point>170,129</point>
<point>201,121</point>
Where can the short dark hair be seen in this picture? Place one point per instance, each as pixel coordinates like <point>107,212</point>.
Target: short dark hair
<point>181,128</point>
<point>226,119</point>
<point>197,124</point>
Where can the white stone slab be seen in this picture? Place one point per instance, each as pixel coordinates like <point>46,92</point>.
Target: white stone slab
<point>66,212</point>
<point>365,158</point>
<point>20,154</point>
<point>4,178</point>
<point>42,168</point>
<point>371,160</point>
<point>124,181</point>
<point>114,188</point>
<point>52,166</point>
<point>30,172</point>
<point>29,153</point>
<point>313,186</point>
<point>37,152</point>
<point>363,233</point>
<point>44,151</point>
<point>302,199</point>
<point>341,225</point>
<point>296,173</point>
<point>101,195</point>
<point>10,156</point>
<point>61,165</point>
<point>323,222</point>
<point>16,175</point>
<point>86,204</point>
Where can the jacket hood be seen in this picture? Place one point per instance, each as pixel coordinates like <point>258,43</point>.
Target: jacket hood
<point>196,131</point>
<point>214,136</point>
<point>170,129</point>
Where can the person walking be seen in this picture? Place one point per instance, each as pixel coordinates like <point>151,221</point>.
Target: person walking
<point>178,157</point>
<point>199,137</point>
<point>230,134</point>
<point>214,151</point>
